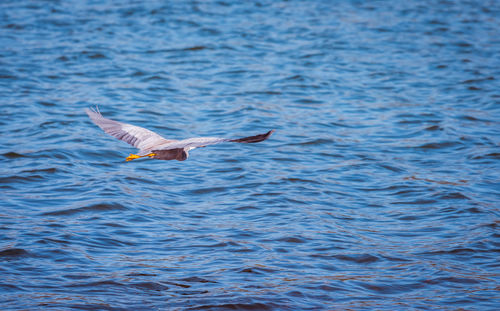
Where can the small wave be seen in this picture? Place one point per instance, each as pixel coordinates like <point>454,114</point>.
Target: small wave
<point>90,208</point>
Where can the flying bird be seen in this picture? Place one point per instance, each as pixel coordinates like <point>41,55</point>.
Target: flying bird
<point>155,146</point>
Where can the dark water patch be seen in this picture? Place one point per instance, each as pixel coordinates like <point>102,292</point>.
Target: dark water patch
<point>472,118</point>
<point>49,170</point>
<point>246,208</point>
<point>100,207</point>
<point>141,274</point>
<point>155,78</point>
<point>445,280</point>
<point>320,141</point>
<point>474,88</point>
<point>441,182</point>
<point>293,240</point>
<point>47,103</point>
<point>11,253</point>
<point>97,284</point>
<point>257,270</point>
<point>14,26</point>
<point>440,145</point>
<point>208,190</point>
<point>85,306</point>
<point>300,180</point>
<point>452,196</point>
<point>93,55</point>
<point>138,73</point>
<point>195,48</point>
<point>391,168</point>
<point>267,92</point>
<point>459,251</point>
<point>196,279</point>
<point>9,287</point>
<point>7,76</point>
<point>472,81</point>
<point>415,202</point>
<point>389,288</point>
<point>434,128</point>
<point>308,101</point>
<point>21,179</point>
<point>138,180</point>
<point>13,155</point>
<point>63,58</point>
<point>494,155</point>
<point>358,258</point>
<point>154,286</point>
<point>238,306</point>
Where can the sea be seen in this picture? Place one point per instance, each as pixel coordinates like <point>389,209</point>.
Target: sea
<point>379,189</point>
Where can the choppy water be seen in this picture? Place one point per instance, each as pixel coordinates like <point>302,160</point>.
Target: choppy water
<point>379,189</point>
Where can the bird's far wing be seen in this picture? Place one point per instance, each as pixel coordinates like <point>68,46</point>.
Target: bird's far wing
<point>138,137</point>
<point>192,143</point>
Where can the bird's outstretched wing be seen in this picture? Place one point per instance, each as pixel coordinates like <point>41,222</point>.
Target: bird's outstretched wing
<point>138,137</point>
<point>192,143</point>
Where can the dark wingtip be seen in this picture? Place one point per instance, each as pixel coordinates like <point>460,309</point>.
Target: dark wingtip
<point>253,139</point>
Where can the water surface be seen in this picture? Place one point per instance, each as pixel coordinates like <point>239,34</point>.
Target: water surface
<point>379,189</point>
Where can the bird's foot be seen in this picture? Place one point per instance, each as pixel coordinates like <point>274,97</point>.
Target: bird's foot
<point>135,156</point>
<point>132,157</point>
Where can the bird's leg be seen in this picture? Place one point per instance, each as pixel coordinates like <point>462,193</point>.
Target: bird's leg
<point>135,156</point>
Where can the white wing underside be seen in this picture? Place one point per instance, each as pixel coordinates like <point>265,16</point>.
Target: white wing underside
<point>141,138</point>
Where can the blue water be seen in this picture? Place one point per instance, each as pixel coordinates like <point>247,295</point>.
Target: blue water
<point>379,189</point>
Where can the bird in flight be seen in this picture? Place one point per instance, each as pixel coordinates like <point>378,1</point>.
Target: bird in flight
<point>155,146</point>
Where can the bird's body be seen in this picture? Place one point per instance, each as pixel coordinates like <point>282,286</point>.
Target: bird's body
<point>155,146</point>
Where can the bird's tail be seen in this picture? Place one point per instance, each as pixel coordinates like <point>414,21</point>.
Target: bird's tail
<point>253,139</point>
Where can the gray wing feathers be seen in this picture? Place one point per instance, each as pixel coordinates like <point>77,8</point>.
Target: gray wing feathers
<point>192,143</point>
<point>138,137</point>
